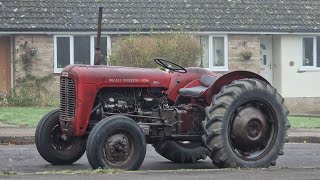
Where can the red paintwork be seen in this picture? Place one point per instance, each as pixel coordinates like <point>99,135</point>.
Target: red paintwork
<point>111,76</point>
<point>193,83</point>
<point>90,79</point>
<point>184,79</point>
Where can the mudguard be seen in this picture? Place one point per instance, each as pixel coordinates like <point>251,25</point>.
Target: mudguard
<point>227,79</point>
<point>182,80</point>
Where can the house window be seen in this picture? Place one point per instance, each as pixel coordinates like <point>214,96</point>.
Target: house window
<point>81,49</point>
<point>311,52</point>
<point>78,50</point>
<point>63,51</point>
<point>215,55</point>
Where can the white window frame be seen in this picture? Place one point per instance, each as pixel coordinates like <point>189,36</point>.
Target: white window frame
<point>226,57</point>
<point>71,38</point>
<point>314,67</point>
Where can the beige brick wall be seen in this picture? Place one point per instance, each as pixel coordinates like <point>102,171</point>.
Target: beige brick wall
<point>42,63</point>
<point>240,43</point>
<point>303,106</point>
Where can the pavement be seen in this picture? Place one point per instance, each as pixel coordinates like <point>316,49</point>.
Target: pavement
<point>13,135</point>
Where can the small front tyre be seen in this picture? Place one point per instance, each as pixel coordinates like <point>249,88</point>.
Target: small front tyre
<point>55,147</point>
<point>116,142</point>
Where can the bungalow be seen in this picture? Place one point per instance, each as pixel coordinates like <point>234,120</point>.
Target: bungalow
<point>278,39</point>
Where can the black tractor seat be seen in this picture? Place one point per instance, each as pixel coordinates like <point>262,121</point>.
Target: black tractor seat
<point>206,81</point>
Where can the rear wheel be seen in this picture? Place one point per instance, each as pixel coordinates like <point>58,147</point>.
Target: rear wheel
<point>181,152</point>
<point>116,142</point>
<point>246,125</point>
<point>53,145</point>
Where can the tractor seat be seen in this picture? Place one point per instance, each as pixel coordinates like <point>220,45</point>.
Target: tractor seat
<point>206,81</point>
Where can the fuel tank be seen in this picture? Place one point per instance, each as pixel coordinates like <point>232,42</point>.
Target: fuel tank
<point>115,76</point>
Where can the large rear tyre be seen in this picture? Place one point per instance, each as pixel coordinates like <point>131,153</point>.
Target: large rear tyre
<point>55,147</point>
<point>116,142</point>
<point>246,125</point>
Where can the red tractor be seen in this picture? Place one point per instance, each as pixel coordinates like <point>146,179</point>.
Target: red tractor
<point>238,119</point>
<point>187,114</point>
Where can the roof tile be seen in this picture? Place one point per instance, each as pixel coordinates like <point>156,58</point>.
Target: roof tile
<point>144,15</point>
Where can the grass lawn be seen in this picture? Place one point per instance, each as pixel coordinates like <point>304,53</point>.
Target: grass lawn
<point>304,122</point>
<point>23,116</point>
<point>30,116</point>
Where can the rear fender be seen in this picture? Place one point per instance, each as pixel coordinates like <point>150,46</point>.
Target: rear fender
<point>189,85</point>
<point>227,79</point>
<point>181,80</point>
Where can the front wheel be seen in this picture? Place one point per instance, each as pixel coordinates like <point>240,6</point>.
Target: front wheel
<point>55,147</point>
<point>246,125</point>
<point>116,142</point>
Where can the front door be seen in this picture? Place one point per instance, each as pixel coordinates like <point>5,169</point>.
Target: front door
<point>5,65</point>
<point>266,58</point>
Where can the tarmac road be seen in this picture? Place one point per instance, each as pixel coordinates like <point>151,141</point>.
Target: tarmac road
<point>225,174</point>
<point>301,161</point>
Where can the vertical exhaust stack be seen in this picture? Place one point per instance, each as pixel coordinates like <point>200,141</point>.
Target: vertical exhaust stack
<point>97,53</point>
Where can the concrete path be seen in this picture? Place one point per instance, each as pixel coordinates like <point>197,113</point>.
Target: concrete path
<point>26,135</point>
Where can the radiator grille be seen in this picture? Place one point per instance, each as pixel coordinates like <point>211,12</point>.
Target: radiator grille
<point>67,99</point>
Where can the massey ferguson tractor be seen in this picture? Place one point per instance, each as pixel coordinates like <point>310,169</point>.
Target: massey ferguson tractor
<point>187,114</point>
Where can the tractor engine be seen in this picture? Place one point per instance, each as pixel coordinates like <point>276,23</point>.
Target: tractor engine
<point>138,101</point>
<point>150,108</point>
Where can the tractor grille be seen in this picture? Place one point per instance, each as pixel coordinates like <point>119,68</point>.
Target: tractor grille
<point>67,98</point>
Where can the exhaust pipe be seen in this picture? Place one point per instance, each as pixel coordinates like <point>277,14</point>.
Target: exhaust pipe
<point>97,52</point>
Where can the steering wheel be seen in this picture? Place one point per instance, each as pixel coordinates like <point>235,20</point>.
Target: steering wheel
<point>170,65</point>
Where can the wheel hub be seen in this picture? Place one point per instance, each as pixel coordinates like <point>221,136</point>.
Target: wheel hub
<point>254,128</point>
<point>59,140</point>
<point>117,148</point>
<point>249,129</point>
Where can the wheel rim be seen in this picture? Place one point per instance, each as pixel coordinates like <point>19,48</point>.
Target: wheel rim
<point>119,149</point>
<point>59,140</point>
<point>253,130</point>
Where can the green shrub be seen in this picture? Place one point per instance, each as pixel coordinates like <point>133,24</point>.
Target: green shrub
<point>140,50</point>
<point>30,91</point>
<point>23,100</point>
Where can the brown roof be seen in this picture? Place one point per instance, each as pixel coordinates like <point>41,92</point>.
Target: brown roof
<point>147,15</point>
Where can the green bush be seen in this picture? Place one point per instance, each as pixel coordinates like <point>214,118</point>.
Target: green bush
<point>23,100</point>
<point>30,91</point>
<point>140,50</point>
